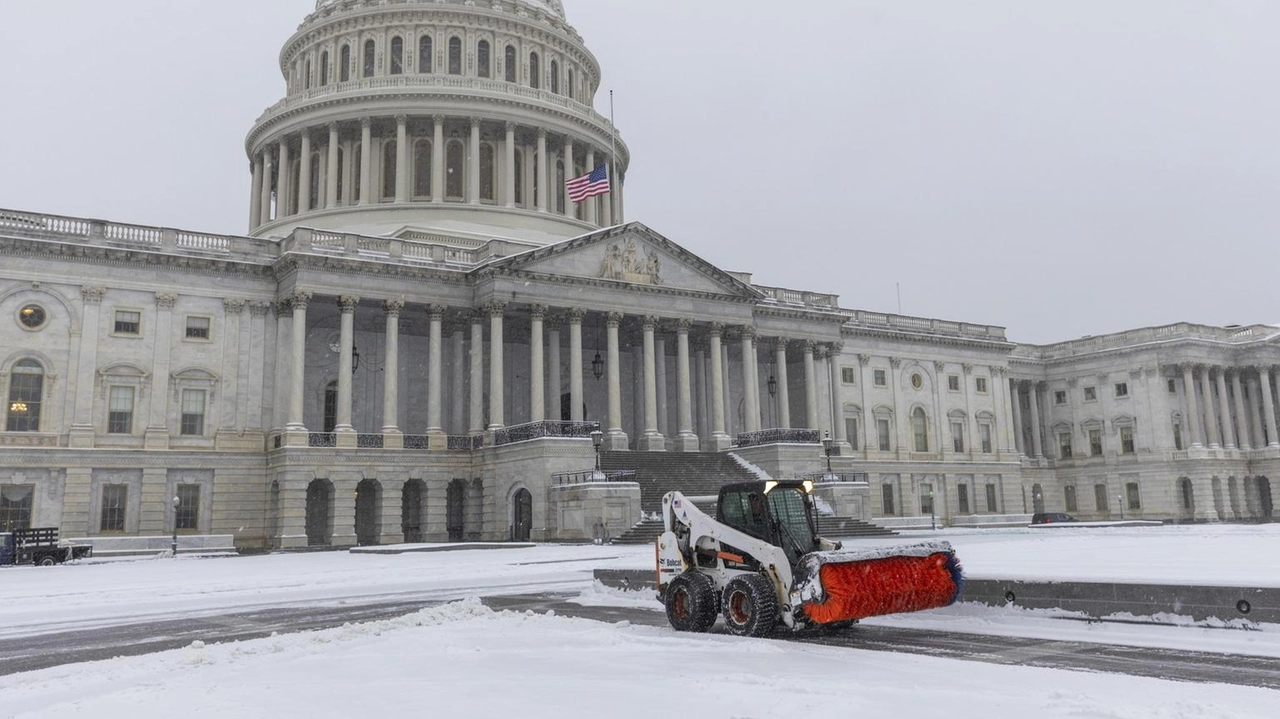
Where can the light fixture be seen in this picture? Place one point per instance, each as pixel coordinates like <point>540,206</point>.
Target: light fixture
<point>773,386</point>
<point>597,366</point>
<point>18,407</point>
<point>355,359</point>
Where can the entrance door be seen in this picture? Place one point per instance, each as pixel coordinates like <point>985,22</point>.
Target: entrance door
<point>411,511</point>
<point>368,512</point>
<point>319,504</point>
<point>521,516</point>
<point>1265,504</point>
<point>1037,498</point>
<point>456,510</point>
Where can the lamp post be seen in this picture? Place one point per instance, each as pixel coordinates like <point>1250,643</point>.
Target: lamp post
<point>597,439</point>
<point>827,444</point>
<point>1120,501</point>
<point>174,547</point>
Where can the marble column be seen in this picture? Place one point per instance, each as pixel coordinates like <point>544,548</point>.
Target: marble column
<point>1193,409</point>
<point>457,387</point>
<point>750,383</point>
<point>509,184</point>
<point>366,160</point>
<point>719,437</point>
<point>282,183</point>
<point>1269,406</point>
<point>555,385</point>
<point>537,369</point>
<point>1243,439</point>
<point>347,305</point>
<point>1228,433</point>
<point>257,365</point>
<point>575,364</point>
<point>700,394</point>
<point>660,363</point>
<point>473,171</point>
<point>617,438</point>
<point>402,158</point>
<point>229,387</point>
<point>1254,404</point>
<point>652,440</point>
<point>592,203</point>
<point>784,390</point>
<point>331,176</point>
<point>255,194</point>
<point>304,174</point>
<point>268,178</point>
<point>568,172</point>
<point>1008,435</point>
<point>541,170</point>
<point>686,440</point>
<point>497,350</point>
<point>157,424</point>
<point>810,385</point>
<point>837,401</point>
<point>1036,422</point>
<point>437,437</point>
<point>477,373</point>
<point>606,207</point>
<point>391,375</point>
<point>298,363</point>
<point>437,160</point>
<point>1019,438</point>
<point>1210,421</point>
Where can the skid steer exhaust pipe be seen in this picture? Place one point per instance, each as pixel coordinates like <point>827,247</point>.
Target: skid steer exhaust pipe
<point>844,585</point>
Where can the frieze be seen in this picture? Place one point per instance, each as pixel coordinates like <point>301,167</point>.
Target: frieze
<point>623,262</point>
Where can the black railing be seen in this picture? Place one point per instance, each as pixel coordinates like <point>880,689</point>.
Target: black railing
<point>370,441</point>
<point>538,430</point>
<point>821,477</point>
<point>322,439</point>
<point>592,475</point>
<point>465,442</point>
<point>778,436</point>
<point>417,441</point>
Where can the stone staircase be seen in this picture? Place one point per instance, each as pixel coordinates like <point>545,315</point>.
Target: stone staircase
<point>848,527</point>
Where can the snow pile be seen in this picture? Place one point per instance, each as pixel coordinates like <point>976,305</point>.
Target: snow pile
<point>757,472</point>
<point>598,595</point>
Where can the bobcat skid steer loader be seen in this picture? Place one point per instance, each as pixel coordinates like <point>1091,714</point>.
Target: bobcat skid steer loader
<point>763,562</point>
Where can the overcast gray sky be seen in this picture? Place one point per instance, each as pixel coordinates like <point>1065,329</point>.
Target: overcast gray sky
<point>1061,168</point>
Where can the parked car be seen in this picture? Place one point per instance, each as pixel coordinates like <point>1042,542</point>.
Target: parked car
<point>1052,518</point>
<point>40,547</point>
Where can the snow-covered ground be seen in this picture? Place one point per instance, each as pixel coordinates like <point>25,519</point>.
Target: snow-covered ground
<point>462,660</point>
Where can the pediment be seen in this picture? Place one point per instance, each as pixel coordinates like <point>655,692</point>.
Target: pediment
<point>628,255</point>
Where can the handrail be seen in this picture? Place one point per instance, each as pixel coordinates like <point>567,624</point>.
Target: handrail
<point>778,436</point>
<point>540,430</point>
<point>588,476</point>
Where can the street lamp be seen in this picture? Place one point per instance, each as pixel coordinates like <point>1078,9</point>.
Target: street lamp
<point>176,502</point>
<point>827,444</point>
<point>1120,501</point>
<point>597,366</point>
<point>597,439</point>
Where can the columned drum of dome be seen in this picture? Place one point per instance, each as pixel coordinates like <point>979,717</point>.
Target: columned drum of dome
<point>439,119</point>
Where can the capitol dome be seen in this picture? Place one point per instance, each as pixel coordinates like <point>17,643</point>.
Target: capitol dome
<point>454,120</point>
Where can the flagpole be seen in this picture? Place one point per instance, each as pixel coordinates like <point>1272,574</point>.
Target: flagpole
<point>613,165</point>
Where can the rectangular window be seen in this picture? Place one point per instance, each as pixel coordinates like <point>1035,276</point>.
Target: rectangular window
<point>1069,492</point>
<point>1122,389</point>
<point>848,375</point>
<point>851,432</point>
<point>1060,396</point>
<point>193,403</point>
<point>120,411</point>
<point>992,504</point>
<point>26,392</point>
<point>1135,499</point>
<point>1173,386</point>
<point>1101,500</point>
<point>882,433</point>
<point>128,323</point>
<point>880,378</point>
<point>1126,440</point>
<point>1064,445</point>
<point>114,502</point>
<point>953,382</point>
<point>1090,394</point>
<point>1095,443</point>
<point>926,498</point>
<point>15,506</point>
<point>957,436</point>
<point>1177,437</point>
<point>962,495</point>
<point>886,496</point>
<point>982,385</point>
<point>197,328</point>
<point>984,431</point>
<point>188,512</point>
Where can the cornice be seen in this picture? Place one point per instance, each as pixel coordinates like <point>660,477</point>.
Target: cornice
<point>131,258</point>
<point>291,262</point>
<point>931,339</point>
<point>488,271</point>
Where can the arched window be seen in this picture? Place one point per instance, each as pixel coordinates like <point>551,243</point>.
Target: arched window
<point>534,70</point>
<point>295,187</point>
<point>455,161</point>
<point>555,77</point>
<point>397,56</point>
<point>26,390</point>
<point>314,202</point>
<point>486,171</point>
<point>389,156</point>
<point>370,58</point>
<point>342,164</point>
<point>344,72</point>
<point>560,179</point>
<point>572,85</point>
<point>519,180</point>
<point>512,65</point>
<point>422,168</point>
<point>306,76</point>
<point>355,172</point>
<point>920,426</point>
<point>424,54</point>
<point>324,68</point>
<point>455,56</point>
<point>482,59</point>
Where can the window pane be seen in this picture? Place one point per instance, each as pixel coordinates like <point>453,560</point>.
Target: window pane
<point>193,405</point>
<point>453,177</point>
<point>886,494</point>
<point>15,507</point>
<point>991,498</point>
<point>534,71</point>
<point>1134,499</point>
<point>389,159</point>
<point>882,428</point>
<point>188,512</point>
<point>422,168</point>
<point>511,64</point>
<point>397,56</point>
<point>120,411</point>
<point>344,72</point>
<point>851,432</point>
<point>985,429</point>
<point>114,499</point>
<point>128,323</point>
<point>455,56</point>
<point>486,172</point>
<point>1069,493</point>
<point>198,328</point>
<point>424,55</point>
<point>482,59</point>
<point>26,390</point>
<point>962,494</point>
<point>369,58</point>
<point>1100,498</point>
<point>957,436</point>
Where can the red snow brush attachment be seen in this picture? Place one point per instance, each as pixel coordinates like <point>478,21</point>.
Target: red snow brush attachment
<point>844,585</point>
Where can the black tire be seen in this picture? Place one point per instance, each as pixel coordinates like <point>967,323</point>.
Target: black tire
<point>691,602</point>
<point>750,606</point>
<point>47,562</point>
<point>836,627</point>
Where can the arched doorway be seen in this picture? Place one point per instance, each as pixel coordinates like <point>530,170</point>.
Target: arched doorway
<point>1219,504</point>
<point>1233,494</point>
<point>456,510</point>
<point>1037,498</point>
<point>368,512</point>
<point>411,501</point>
<point>319,513</point>
<point>1265,506</point>
<point>1186,498</point>
<point>273,517</point>
<point>521,515</point>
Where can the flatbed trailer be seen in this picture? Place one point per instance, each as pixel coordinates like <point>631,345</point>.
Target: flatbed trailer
<point>40,547</point>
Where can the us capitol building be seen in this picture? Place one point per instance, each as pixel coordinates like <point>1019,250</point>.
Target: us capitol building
<point>420,331</point>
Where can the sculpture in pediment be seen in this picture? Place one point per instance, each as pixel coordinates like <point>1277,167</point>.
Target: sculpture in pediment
<point>625,264</point>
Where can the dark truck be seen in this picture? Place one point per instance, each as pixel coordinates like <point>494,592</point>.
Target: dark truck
<point>39,547</point>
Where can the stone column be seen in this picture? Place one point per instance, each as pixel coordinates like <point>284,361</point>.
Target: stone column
<point>1019,438</point>
<point>157,425</point>
<point>1228,433</point>
<point>606,207</point>
<point>304,174</point>
<point>568,172</point>
<point>229,388</point>
<point>268,177</point>
<point>555,384</point>
<point>660,364</point>
<point>437,437</point>
<point>1243,438</point>
<point>617,439</point>
<point>282,183</point>
<point>728,393</point>
<point>700,390</point>
<point>1210,421</point>
<point>750,385</point>
<point>82,431</point>
<point>402,158</point>
<point>473,185</point>
<point>280,384</point>
<point>1036,422</point>
<point>575,364</point>
<point>331,177</point>
<point>1269,406</point>
<point>509,186</point>
<point>652,441</point>
<point>391,377</point>
<point>297,366</point>
<point>837,401</point>
<point>686,440</point>
<point>1008,436</point>
<point>592,202</point>
<point>1254,404</point>
<point>542,168</point>
<point>437,159</point>
<point>497,349</point>
<point>477,373</point>
<point>255,194</point>
<point>457,387</point>
<point>346,432</point>
<point>1193,409</point>
<point>810,385</point>
<point>537,370</point>
<point>823,374</point>
<point>366,160</point>
<point>719,438</point>
<point>257,364</point>
<point>784,390</point>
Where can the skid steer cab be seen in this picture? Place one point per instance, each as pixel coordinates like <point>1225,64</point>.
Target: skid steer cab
<point>762,563</point>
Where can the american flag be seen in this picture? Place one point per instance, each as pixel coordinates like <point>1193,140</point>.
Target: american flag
<point>592,184</point>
